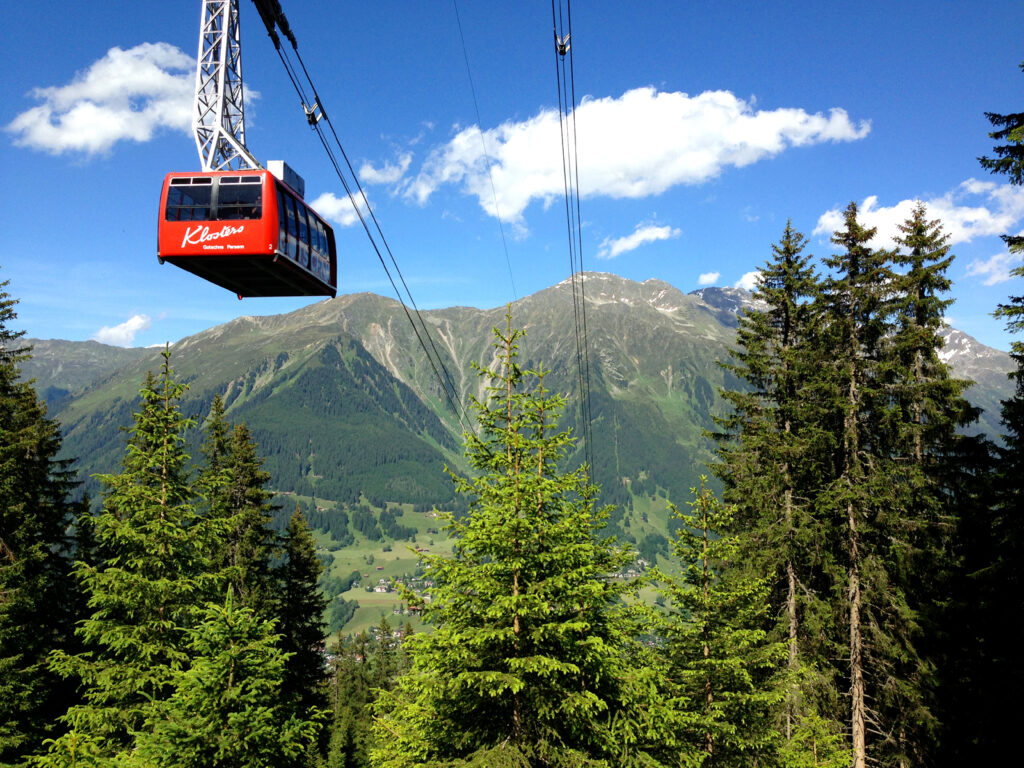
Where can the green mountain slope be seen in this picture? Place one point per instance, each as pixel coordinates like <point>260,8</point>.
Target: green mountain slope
<point>653,373</point>
<point>330,420</point>
<point>343,401</point>
<point>61,368</point>
<point>353,423</point>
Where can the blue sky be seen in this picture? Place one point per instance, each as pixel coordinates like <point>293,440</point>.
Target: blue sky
<point>702,128</point>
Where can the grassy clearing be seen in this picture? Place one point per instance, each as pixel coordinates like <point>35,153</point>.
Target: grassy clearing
<point>385,561</point>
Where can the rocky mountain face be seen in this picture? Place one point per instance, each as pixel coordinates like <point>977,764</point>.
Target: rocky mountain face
<point>987,368</point>
<point>343,401</point>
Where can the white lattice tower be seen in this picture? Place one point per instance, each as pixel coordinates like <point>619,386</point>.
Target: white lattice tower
<point>219,121</point>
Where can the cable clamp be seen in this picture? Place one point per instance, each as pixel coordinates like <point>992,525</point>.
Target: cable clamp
<point>314,114</point>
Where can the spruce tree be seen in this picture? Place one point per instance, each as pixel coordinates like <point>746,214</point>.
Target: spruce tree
<point>251,543</point>
<point>144,593</point>
<point>857,319</point>
<point>300,612</point>
<point>385,659</point>
<point>215,451</point>
<point>1009,157</point>
<point>1010,161</point>
<point>992,701</point>
<point>226,709</point>
<point>991,697</point>
<point>234,483</point>
<point>894,408</point>
<point>929,401</point>
<point>37,597</point>
<point>529,662</point>
<point>725,670</point>
<point>934,474</point>
<point>772,449</point>
<point>350,733</point>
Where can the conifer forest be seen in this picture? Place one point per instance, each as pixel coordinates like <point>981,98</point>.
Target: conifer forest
<point>843,587</point>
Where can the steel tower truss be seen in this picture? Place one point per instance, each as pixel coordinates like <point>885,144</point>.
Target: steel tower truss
<point>219,122</point>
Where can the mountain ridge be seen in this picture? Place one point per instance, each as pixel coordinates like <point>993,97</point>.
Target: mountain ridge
<point>653,351</point>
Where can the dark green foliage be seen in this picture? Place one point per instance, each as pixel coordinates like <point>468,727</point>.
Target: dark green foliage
<point>226,709</point>
<point>167,681</point>
<point>899,478</point>
<point>860,494</point>
<point>774,452</point>
<point>37,596</point>
<point>333,522</point>
<point>300,610</point>
<point>530,661</point>
<point>391,528</point>
<point>653,544</point>
<point>336,585</point>
<point>361,669</point>
<point>724,676</point>
<point>385,660</point>
<point>364,522</point>
<point>145,590</point>
<point>991,666</point>
<point>936,471</point>
<point>1009,159</point>
<point>348,746</point>
<point>631,439</point>
<point>368,450</point>
<point>848,476</point>
<point>339,612</point>
<point>234,484</point>
<point>335,425</point>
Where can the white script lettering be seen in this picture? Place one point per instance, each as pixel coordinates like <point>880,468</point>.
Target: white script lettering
<point>200,234</point>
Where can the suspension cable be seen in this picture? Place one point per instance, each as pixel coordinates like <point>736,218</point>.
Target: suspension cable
<point>483,145</point>
<point>579,233</point>
<point>570,174</point>
<point>315,113</point>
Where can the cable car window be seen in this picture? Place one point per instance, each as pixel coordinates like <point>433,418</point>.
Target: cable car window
<point>303,225</point>
<point>325,249</point>
<point>282,223</point>
<point>314,235</point>
<point>189,199</point>
<point>293,227</point>
<point>300,211</point>
<point>238,198</point>
<point>321,266</point>
<point>321,239</point>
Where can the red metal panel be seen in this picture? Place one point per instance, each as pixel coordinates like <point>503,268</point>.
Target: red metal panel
<point>242,237</point>
<point>241,255</point>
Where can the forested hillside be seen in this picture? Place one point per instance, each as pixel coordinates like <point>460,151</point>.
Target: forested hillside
<point>339,390</point>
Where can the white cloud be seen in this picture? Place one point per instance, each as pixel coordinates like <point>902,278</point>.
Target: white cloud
<point>389,174</point>
<point>639,144</point>
<point>973,209</point>
<point>708,278</point>
<point>749,280</point>
<point>340,210</point>
<point>644,233</point>
<point>124,334</point>
<point>995,269</point>
<point>126,95</point>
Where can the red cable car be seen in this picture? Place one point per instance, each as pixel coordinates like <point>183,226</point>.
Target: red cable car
<point>246,231</point>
